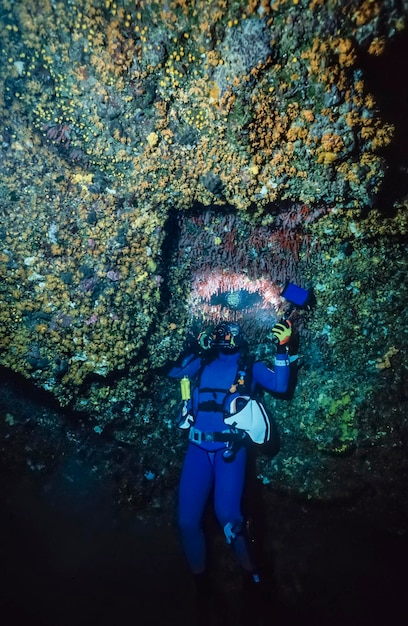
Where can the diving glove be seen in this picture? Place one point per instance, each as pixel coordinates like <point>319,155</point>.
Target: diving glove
<point>282,332</point>
<point>185,419</point>
<point>204,340</point>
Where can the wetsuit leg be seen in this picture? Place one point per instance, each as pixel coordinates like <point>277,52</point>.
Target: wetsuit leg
<point>195,486</point>
<point>229,485</point>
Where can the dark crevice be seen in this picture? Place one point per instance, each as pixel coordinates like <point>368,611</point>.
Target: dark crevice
<point>385,77</point>
<point>168,250</point>
<point>16,385</point>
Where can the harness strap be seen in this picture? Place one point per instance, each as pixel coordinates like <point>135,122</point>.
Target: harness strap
<point>199,436</point>
<point>213,390</point>
<point>211,406</point>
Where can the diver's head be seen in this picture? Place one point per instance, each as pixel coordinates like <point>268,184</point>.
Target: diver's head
<point>228,336</point>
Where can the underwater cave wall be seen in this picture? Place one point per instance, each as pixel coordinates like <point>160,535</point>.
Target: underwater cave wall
<point>153,158</point>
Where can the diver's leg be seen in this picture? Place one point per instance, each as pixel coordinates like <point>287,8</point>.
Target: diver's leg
<point>195,485</point>
<point>229,485</point>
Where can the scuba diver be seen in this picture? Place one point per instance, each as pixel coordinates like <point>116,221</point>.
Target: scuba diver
<point>217,453</point>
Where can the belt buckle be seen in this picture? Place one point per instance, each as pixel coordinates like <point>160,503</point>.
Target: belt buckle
<point>196,435</point>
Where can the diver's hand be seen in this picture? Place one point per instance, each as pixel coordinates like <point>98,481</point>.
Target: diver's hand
<point>185,420</point>
<point>282,332</point>
<point>204,340</point>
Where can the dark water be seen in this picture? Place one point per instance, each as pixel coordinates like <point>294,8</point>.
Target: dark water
<point>63,567</point>
<point>69,556</point>
<point>67,559</point>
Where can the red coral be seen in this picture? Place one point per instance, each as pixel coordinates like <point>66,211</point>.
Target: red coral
<point>226,255</point>
<point>58,133</point>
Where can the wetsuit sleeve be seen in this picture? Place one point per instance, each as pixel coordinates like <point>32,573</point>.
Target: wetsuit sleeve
<point>189,366</point>
<point>275,380</point>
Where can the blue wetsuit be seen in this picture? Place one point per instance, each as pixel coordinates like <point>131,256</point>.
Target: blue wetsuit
<point>204,465</point>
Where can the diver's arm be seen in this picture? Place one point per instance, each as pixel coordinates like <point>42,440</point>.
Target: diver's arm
<point>275,380</point>
<point>188,366</point>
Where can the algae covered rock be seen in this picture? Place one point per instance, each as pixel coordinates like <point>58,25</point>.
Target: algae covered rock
<point>166,163</point>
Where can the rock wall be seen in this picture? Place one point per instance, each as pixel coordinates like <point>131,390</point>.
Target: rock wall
<point>156,157</point>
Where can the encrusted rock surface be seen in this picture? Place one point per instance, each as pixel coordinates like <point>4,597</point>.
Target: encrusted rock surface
<point>156,159</point>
